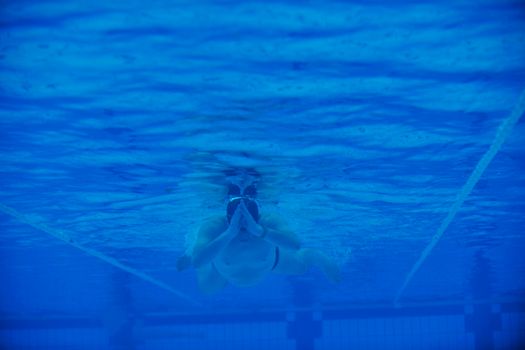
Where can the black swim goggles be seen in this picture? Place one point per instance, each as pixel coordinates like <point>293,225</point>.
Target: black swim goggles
<point>248,196</point>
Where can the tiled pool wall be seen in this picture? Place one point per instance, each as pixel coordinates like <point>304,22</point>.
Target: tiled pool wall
<point>482,326</point>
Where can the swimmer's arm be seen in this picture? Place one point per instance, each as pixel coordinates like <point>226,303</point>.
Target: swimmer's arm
<point>207,248</point>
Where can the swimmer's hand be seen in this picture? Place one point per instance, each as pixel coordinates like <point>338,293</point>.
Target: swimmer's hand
<point>248,222</point>
<point>235,222</point>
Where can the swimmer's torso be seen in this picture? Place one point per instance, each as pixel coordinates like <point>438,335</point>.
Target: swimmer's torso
<point>246,259</point>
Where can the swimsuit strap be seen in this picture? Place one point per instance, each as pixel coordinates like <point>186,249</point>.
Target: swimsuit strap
<point>276,262</point>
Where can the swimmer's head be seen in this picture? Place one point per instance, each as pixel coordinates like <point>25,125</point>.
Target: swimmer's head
<point>235,196</point>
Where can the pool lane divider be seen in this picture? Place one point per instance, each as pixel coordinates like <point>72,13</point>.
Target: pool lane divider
<point>503,132</point>
<point>112,261</point>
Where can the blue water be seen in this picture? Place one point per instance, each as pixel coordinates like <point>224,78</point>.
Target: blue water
<point>365,119</point>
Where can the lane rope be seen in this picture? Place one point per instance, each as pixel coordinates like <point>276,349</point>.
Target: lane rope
<point>112,261</point>
<point>503,132</point>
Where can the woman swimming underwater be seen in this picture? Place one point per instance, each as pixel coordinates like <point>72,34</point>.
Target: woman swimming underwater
<point>244,246</point>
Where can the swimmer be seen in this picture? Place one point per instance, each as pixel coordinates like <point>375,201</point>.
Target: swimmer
<point>245,246</point>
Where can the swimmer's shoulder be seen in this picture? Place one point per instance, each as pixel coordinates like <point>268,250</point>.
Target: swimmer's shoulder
<point>272,220</point>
